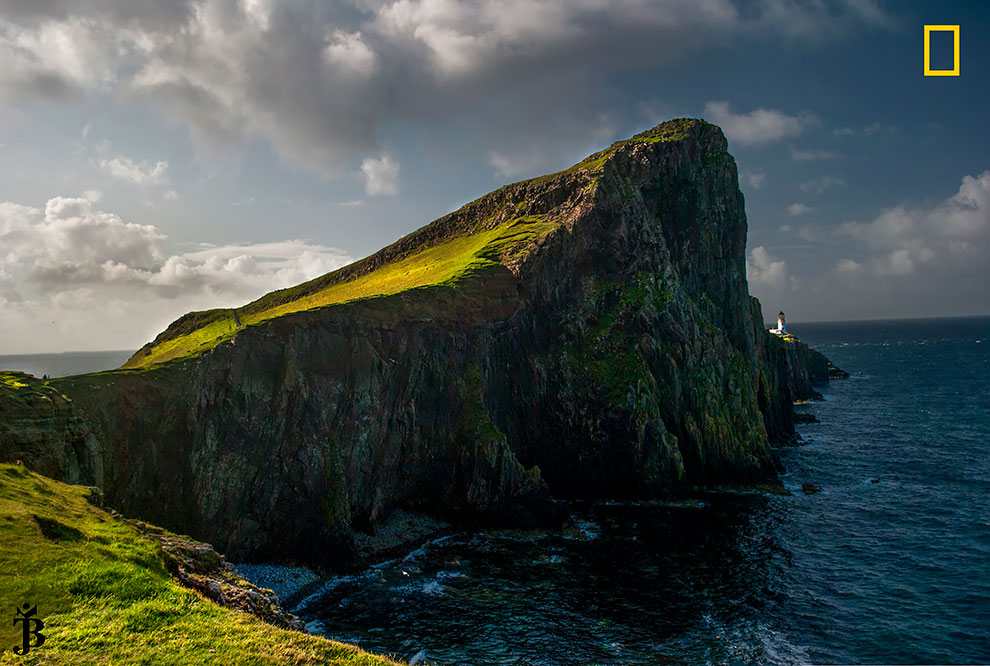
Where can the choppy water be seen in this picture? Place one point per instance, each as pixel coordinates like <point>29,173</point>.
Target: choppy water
<point>889,563</point>
<point>64,364</point>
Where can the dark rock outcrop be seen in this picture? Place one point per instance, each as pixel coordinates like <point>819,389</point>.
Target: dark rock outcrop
<point>836,373</point>
<point>621,357</point>
<point>197,566</point>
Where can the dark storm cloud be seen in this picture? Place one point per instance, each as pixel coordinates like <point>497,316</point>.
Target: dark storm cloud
<point>323,84</point>
<point>150,14</point>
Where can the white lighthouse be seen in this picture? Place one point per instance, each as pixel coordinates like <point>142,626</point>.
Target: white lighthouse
<point>781,329</point>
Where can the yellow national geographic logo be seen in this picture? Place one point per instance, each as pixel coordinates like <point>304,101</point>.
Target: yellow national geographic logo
<point>954,29</point>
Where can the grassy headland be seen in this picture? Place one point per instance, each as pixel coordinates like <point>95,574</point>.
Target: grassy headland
<point>497,228</point>
<point>106,596</point>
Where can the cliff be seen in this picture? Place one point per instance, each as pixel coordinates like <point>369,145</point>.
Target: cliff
<point>586,334</point>
<point>39,424</point>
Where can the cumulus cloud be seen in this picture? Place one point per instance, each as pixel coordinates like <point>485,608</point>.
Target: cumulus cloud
<point>321,82</point>
<point>757,127</point>
<point>954,235</point>
<point>799,209</point>
<point>70,245</point>
<point>907,258</point>
<point>54,60</point>
<point>764,271</point>
<point>68,238</point>
<point>381,176</point>
<point>143,174</point>
<point>72,277</point>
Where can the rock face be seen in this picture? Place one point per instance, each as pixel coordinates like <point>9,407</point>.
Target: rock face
<point>620,356</point>
<point>41,425</point>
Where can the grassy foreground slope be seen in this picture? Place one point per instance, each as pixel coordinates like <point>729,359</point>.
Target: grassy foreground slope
<point>106,597</point>
<point>495,229</point>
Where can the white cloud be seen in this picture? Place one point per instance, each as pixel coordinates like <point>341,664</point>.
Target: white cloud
<point>953,235</point>
<point>92,196</point>
<point>848,266</point>
<point>807,155</point>
<point>754,179</point>
<point>511,166</point>
<point>799,209</point>
<point>757,127</point>
<point>811,233</point>
<point>69,237</point>
<point>381,176</point>
<point>764,271</point>
<point>71,245</point>
<point>321,82</point>
<point>55,59</point>
<point>817,186</point>
<point>143,174</point>
<point>908,259</point>
<point>349,52</point>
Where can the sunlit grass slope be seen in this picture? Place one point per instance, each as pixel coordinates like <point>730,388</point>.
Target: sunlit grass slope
<point>106,598</point>
<point>442,263</point>
<point>500,227</point>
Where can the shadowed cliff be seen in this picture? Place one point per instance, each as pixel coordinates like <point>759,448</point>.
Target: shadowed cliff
<point>587,334</point>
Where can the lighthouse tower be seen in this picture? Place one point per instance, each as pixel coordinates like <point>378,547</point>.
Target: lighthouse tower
<point>781,329</point>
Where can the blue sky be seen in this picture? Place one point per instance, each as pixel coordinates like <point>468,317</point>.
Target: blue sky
<point>165,157</point>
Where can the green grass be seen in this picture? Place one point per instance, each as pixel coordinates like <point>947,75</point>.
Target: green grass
<point>106,598</point>
<point>24,390</point>
<point>444,263</point>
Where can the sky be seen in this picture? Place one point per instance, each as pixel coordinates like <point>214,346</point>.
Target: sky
<point>161,157</point>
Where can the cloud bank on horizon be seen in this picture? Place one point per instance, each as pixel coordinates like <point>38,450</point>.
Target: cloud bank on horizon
<point>363,98</point>
<point>906,253</point>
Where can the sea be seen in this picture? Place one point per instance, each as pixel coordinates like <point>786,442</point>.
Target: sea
<point>65,363</point>
<point>888,563</point>
<point>879,553</point>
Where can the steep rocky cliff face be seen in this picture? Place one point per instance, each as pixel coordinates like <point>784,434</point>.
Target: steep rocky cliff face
<point>605,346</point>
<point>40,425</point>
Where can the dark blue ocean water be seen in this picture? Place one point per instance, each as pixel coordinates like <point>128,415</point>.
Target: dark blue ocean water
<point>889,563</point>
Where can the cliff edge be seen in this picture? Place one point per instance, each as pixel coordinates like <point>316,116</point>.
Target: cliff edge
<point>586,334</point>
